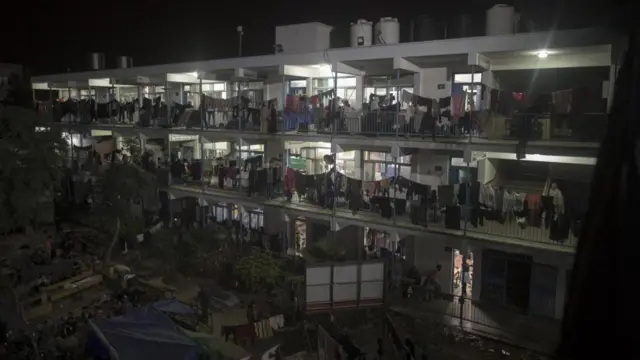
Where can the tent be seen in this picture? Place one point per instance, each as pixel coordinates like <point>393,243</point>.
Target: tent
<point>143,333</point>
<point>174,307</point>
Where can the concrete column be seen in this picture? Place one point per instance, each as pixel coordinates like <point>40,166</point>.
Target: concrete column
<point>359,92</point>
<point>274,221</point>
<point>291,236</point>
<point>476,285</point>
<point>273,148</point>
<point>561,292</point>
<point>197,148</point>
<point>310,86</point>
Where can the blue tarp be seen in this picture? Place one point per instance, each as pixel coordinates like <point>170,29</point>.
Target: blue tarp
<point>173,307</point>
<point>146,333</point>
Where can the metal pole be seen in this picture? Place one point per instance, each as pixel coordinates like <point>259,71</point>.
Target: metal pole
<point>240,33</point>
<point>239,101</point>
<point>50,107</point>
<point>202,118</point>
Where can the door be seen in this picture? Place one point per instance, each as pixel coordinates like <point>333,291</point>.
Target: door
<point>542,296</point>
<point>494,273</point>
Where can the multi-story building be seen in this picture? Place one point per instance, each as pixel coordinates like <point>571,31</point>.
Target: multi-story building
<point>497,133</point>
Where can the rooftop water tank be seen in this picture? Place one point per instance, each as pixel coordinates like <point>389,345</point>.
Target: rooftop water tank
<point>500,20</point>
<point>387,31</point>
<point>96,61</point>
<point>361,33</point>
<point>124,62</point>
<point>428,28</point>
<point>462,26</point>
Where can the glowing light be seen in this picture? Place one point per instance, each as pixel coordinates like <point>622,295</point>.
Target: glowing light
<point>542,54</point>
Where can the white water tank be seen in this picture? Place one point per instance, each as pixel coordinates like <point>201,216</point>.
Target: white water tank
<point>387,31</point>
<point>500,20</point>
<point>361,33</point>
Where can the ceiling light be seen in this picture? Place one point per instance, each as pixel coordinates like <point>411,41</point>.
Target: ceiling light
<point>542,54</point>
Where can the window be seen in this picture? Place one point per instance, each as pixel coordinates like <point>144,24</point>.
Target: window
<point>346,82</point>
<point>381,91</point>
<point>347,155</point>
<point>467,78</point>
<point>379,156</point>
<point>219,87</point>
<point>297,83</point>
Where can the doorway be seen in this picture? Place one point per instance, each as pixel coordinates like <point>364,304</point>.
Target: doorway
<point>462,267</point>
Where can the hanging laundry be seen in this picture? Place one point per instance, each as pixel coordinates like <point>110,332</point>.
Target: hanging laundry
<point>459,98</point>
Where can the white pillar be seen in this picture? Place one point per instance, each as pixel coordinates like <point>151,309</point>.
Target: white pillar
<point>310,86</point>
<point>359,92</point>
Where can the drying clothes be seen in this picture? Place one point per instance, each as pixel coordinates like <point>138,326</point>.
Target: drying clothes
<point>562,101</point>
<point>487,196</point>
<point>276,322</point>
<point>508,204</point>
<point>459,101</point>
<point>533,201</point>
<point>519,202</point>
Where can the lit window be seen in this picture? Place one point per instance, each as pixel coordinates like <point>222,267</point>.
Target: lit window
<point>467,78</point>
<point>346,82</point>
<point>219,87</point>
<point>298,83</point>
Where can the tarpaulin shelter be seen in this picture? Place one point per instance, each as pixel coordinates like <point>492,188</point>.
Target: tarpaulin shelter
<point>143,333</point>
<point>174,307</point>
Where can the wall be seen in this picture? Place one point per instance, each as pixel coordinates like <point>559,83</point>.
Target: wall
<point>425,83</point>
<point>562,261</point>
<point>174,93</point>
<point>423,166</point>
<point>274,221</point>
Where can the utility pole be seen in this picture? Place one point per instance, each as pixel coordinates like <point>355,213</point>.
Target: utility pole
<point>240,33</point>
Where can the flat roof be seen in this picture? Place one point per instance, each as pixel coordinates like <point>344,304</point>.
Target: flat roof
<point>516,43</point>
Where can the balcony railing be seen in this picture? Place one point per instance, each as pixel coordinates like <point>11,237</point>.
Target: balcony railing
<point>531,226</point>
<point>583,127</point>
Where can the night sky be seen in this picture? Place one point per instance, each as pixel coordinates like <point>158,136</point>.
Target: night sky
<point>57,35</point>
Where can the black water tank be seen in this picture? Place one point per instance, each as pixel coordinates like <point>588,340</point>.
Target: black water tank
<point>462,26</point>
<point>428,28</point>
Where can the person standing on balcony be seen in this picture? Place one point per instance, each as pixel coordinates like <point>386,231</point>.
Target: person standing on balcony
<point>264,118</point>
<point>273,119</point>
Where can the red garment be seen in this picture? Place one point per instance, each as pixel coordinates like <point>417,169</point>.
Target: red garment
<point>533,200</point>
<point>289,179</point>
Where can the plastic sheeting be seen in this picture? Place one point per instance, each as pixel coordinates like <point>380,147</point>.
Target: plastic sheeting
<point>174,307</point>
<point>145,333</point>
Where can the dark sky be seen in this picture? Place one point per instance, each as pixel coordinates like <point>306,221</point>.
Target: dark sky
<point>56,35</point>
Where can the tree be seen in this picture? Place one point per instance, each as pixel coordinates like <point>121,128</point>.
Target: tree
<point>31,159</point>
<point>117,189</point>
<point>258,271</point>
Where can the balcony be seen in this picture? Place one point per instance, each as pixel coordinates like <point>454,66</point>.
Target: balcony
<point>404,204</point>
